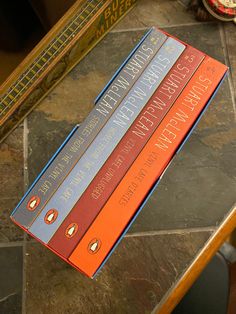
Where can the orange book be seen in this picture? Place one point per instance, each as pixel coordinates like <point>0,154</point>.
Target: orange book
<point>149,165</point>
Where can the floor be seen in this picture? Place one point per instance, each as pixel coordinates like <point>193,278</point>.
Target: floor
<point>194,196</point>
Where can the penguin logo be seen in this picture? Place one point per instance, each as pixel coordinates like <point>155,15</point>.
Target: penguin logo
<point>51,216</point>
<point>33,203</point>
<point>94,246</point>
<point>169,49</point>
<point>71,230</point>
<point>154,40</point>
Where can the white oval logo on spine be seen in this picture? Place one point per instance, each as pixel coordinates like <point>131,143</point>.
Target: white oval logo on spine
<point>94,246</point>
<point>51,216</point>
<point>71,230</point>
<point>33,203</point>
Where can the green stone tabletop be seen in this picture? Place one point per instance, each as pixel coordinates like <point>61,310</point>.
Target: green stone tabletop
<point>190,204</point>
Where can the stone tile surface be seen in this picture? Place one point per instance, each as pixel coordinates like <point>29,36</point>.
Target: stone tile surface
<point>11,183</point>
<point>134,279</point>
<point>201,36</point>
<point>10,280</point>
<point>157,13</point>
<point>9,232</point>
<point>230,34</point>
<point>194,192</point>
<point>11,165</point>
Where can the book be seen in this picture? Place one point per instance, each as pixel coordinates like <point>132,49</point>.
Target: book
<point>109,225</point>
<point>73,36</point>
<point>63,200</point>
<point>93,199</point>
<point>73,148</point>
<point>117,195</point>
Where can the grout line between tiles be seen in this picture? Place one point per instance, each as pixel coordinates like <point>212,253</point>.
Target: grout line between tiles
<point>25,152</point>
<point>32,241</point>
<point>160,26</point>
<point>11,244</point>
<point>182,4</point>
<point>171,231</point>
<point>26,183</point>
<point>15,198</point>
<point>227,61</point>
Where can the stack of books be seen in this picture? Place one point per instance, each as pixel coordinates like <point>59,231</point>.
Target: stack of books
<point>92,189</point>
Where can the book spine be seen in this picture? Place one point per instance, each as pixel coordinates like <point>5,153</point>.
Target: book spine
<point>61,164</point>
<point>149,165</point>
<point>89,205</point>
<point>96,155</point>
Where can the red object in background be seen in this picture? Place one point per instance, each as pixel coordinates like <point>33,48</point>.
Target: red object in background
<point>224,10</point>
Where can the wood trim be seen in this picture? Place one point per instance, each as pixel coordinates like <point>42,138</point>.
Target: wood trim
<point>176,293</point>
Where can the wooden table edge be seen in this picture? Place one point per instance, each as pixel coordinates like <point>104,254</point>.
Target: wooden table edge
<point>177,291</point>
